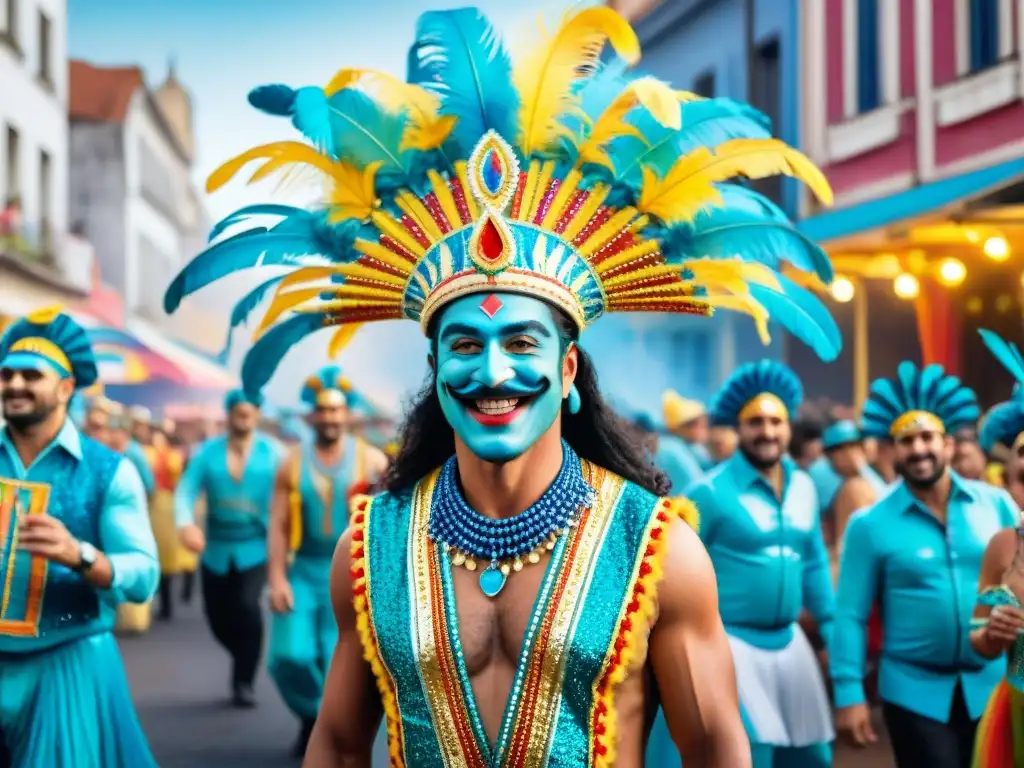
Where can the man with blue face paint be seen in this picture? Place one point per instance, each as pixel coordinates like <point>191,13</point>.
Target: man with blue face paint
<point>918,552</point>
<point>235,473</point>
<point>759,521</point>
<point>308,516</point>
<point>523,593</point>
<point>75,543</point>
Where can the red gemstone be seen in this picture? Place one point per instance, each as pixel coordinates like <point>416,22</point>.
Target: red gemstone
<point>491,305</point>
<point>490,244</point>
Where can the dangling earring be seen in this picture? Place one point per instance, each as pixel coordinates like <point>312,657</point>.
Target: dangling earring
<point>573,400</point>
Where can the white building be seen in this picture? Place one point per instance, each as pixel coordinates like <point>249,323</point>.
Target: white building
<point>34,138</point>
<point>131,158</point>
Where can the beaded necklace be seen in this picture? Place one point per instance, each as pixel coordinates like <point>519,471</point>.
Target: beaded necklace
<point>471,538</point>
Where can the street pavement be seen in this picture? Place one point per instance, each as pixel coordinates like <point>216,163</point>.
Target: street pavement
<point>179,680</point>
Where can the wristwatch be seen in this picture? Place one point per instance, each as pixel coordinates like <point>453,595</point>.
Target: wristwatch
<point>87,556</point>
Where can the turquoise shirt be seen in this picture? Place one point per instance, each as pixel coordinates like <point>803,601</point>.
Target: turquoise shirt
<point>123,531</point>
<point>324,493</point>
<point>925,576</point>
<point>137,456</point>
<point>702,455</point>
<point>674,457</point>
<point>237,511</point>
<point>769,555</point>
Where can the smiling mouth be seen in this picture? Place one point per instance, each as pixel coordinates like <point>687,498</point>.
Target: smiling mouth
<point>495,411</point>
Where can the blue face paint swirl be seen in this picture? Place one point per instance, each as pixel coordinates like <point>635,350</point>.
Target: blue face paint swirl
<point>505,542</point>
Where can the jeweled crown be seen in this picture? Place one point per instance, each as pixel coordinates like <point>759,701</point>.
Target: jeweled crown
<point>559,176</point>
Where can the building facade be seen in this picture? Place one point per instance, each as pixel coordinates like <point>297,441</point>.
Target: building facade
<point>914,109</point>
<point>131,189</point>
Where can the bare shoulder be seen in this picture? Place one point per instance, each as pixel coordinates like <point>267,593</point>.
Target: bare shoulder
<point>688,587</point>
<point>1002,547</point>
<point>341,580</point>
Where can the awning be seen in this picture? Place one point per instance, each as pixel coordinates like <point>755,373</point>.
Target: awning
<point>123,358</point>
<point>923,200</point>
<point>170,400</point>
<point>203,374</point>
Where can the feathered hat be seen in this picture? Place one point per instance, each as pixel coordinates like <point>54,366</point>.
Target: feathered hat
<point>1004,423</point>
<point>842,432</point>
<point>239,396</point>
<point>677,410</point>
<point>765,387</point>
<point>48,339</point>
<point>558,176</point>
<point>327,387</point>
<point>918,399</point>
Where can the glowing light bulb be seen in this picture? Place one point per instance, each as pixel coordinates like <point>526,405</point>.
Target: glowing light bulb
<point>952,271</point>
<point>842,289</point>
<point>996,248</point>
<point>906,286</point>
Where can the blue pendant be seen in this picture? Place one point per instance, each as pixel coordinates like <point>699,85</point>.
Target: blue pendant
<point>492,580</point>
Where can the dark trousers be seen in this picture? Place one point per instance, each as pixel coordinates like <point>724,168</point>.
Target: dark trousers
<point>167,580</point>
<point>231,602</point>
<point>920,742</point>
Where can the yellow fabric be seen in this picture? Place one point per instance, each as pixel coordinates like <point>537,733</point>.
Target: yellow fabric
<point>44,348</point>
<point>133,618</point>
<point>174,557</point>
<point>765,404</point>
<point>678,410</point>
<point>295,502</point>
<point>994,475</point>
<point>916,421</point>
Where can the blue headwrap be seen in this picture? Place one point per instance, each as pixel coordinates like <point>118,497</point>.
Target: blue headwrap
<point>238,396</point>
<point>326,385</point>
<point>918,398</point>
<point>840,433</point>
<point>50,340</point>
<point>773,381</point>
<point>645,422</point>
<point>1005,422</point>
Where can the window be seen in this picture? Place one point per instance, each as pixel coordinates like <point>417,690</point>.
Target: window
<point>13,153</point>
<point>766,95</point>
<point>704,85</point>
<point>156,182</point>
<point>868,56</point>
<point>9,31</point>
<point>984,26</point>
<point>45,53</point>
<point>45,200</point>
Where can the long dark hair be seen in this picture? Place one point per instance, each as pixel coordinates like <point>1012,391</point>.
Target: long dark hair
<point>597,433</point>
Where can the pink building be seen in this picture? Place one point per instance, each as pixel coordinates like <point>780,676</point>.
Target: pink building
<point>915,111</point>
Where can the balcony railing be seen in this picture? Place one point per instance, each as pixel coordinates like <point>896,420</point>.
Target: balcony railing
<point>68,258</point>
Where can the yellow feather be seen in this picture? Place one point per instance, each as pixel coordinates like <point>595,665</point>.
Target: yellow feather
<point>544,78</point>
<point>352,195</point>
<point>283,302</point>
<point>425,130</point>
<point>280,153</point>
<point>341,339</point>
<point>689,185</point>
<point>306,275</point>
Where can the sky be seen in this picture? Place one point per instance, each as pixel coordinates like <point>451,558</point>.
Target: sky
<point>223,48</point>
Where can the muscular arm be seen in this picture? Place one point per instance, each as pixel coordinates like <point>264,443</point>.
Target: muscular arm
<point>691,660</point>
<point>279,531</point>
<point>855,494</point>
<point>350,712</point>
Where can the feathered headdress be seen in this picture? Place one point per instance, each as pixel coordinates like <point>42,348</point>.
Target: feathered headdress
<point>51,339</point>
<point>918,399</point>
<point>329,386</point>
<point>1004,423</point>
<point>765,387</point>
<point>559,176</point>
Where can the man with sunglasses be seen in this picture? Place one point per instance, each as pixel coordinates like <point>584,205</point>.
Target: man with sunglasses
<point>75,542</point>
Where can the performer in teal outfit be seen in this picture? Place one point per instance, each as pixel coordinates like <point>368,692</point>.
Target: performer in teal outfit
<point>523,580</point>
<point>759,520</point>
<point>308,516</point>
<point>918,551</point>
<point>76,543</point>
<point>236,474</point>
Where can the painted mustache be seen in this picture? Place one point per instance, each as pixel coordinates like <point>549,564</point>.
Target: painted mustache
<point>508,391</point>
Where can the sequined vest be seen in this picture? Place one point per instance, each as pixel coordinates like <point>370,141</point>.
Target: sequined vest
<point>587,633</point>
<point>41,596</point>
<point>322,513</point>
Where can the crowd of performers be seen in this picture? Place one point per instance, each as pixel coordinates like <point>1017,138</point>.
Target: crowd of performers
<point>531,579</point>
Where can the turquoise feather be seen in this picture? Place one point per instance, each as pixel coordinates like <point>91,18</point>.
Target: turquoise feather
<point>312,117</point>
<point>459,56</point>
<point>802,314</point>
<point>244,308</point>
<point>1006,353</point>
<point>274,99</point>
<point>264,209</point>
<point>1001,425</point>
<point>750,380</point>
<point>263,358</point>
<point>750,227</point>
<point>365,133</point>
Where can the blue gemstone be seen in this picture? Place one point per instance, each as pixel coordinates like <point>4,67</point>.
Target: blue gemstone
<point>491,172</point>
<point>491,580</point>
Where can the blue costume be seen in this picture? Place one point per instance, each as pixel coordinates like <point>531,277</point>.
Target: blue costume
<point>234,561</point>
<point>64,698</point>
<point>771,563</point>
<point>473,199</point>
<point>303,640</point>
<point>924,573</point>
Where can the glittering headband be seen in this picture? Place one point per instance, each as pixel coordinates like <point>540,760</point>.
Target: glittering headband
<point>330,398</point>
<point>44,348</point>
<point>916,421</point>
<point>764,404</point>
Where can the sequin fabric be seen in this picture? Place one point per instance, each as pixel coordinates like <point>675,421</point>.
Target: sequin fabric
<point>588,585</point>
